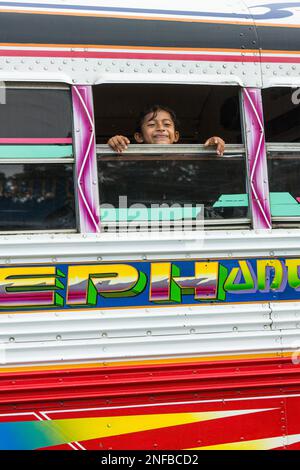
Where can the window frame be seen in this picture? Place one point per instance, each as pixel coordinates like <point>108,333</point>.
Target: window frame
<point>286,147</point>
<point>152,152</point>
<point>43,160</point>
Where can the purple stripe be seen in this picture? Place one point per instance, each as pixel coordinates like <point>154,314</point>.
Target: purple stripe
<point>274,10</point>
<point>257,159</point>
<point>32,298</point>
<point>86,164</point>
<point>102,9</point>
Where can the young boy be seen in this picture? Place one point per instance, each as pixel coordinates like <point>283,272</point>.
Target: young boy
<point>158,125</point>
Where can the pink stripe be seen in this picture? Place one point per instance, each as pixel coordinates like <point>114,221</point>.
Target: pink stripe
<point>130,55</point>
<point>288,60</point>
<point>149,56</point>
<point>35,141</point>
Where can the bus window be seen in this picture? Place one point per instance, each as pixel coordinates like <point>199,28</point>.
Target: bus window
<point>282,120</point>
<point>36,197</point>
<point>36,159</point>
<point>36,111</point>
<point>178,175</point>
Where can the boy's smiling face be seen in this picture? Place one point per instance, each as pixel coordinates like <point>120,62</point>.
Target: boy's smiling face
<point>157,128</point>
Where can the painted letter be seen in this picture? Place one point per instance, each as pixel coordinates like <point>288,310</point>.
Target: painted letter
<point>108,280</point>
<point>207,284</point>
<point>293,266</point>
<point>162,286</point>
<point>30,287</point>
<point>233,283</point>
<point>265,268</point>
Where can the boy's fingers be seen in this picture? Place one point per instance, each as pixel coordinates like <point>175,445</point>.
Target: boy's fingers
<point>218,142</point>
<point>123,141</point>
<point>220,148</point>
<point>118,143</point>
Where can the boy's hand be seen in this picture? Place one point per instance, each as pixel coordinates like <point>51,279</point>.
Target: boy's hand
<point>218,142</point>
<point>118,143</point>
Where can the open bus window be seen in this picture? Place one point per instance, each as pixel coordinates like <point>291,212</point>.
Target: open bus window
<point>36,158</point>
<point>178,175</point>
<point>282,121</point>
<point>36,197</point>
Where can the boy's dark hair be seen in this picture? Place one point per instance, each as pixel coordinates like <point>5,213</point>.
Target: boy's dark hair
<point>154,110</point>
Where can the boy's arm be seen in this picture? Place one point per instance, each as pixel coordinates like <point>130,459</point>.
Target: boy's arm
<point>118,143</point>
<point>218,142</point>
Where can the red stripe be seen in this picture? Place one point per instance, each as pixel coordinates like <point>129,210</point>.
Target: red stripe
<point>289,60</point>
<point>122,383</point>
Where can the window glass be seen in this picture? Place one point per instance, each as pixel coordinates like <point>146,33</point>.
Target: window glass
<point>282,124</point>
<point>216,183</point>
<point>35,112</point>
<point>36,197</point>
<point>282,114</point>
<point>284,177</point>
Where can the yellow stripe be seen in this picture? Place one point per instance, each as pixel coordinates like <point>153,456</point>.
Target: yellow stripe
<point>149,362</point>
<point>79,429</point>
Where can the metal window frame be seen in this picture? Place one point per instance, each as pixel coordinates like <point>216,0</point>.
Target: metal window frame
<point>149,151</point>
<point>286,148</point>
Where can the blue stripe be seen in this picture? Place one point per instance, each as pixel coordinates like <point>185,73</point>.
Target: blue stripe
<point>276,10</point>
<point>120,10</point>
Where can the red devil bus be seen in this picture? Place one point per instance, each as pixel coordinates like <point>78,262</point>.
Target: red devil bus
<point>149,299</point>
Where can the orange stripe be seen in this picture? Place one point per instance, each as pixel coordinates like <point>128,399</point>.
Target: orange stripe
<point>139,48</point>
<point>277,25</point>
<point>146,48</point>
<point>91,309</point>
<point>147,362</point>
<point>267,51</point>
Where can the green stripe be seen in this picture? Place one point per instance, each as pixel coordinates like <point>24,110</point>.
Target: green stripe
<point>35,151</point>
